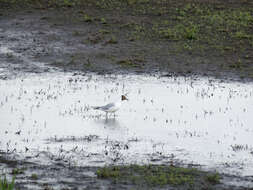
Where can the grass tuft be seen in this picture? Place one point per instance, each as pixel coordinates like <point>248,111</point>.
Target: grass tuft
<point>150,175</point>
<point>5,185</point>
<point>213,178</point>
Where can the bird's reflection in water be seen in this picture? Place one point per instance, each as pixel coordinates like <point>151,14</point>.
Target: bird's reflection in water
<point>112,123</point>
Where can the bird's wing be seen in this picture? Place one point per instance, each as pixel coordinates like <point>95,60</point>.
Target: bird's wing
<point>107,106</point>
<point>95,107</point>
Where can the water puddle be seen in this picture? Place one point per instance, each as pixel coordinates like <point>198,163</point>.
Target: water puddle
<point>49,118</point>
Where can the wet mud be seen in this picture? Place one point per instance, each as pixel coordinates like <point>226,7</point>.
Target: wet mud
<point>77,40</point>
<point>29,175</point>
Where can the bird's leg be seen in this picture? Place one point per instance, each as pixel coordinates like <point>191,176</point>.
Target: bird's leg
<point>106,115</point>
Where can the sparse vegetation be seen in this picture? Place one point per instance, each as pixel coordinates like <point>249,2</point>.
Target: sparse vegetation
<point>182,28</point>
<point>211,26</point>
<point>17,171</point>
<point>87,18</point>
<point>103,21</point>
<point>6,185</point>
<point>112,40</point>
<point>213,178</point>
<point>156,175</point>
<point>34,176</point>
<point>130,62</point>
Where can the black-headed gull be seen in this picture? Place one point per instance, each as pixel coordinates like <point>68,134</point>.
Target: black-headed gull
<point>111,107</point>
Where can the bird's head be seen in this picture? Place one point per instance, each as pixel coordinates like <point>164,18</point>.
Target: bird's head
<point>123,97</point>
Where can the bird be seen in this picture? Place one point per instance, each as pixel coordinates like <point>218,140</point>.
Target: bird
<point>111,107</point>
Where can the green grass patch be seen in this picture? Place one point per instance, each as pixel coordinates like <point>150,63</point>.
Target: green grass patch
<point>34,176</point>
<point>213,178</point>
<point>6,185</point>
<point>156,175</point>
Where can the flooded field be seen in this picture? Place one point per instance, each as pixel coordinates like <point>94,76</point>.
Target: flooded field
<point>49,118</point>
<point>60,59</point>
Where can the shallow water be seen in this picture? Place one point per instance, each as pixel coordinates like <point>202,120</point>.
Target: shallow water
<point>48,118</point>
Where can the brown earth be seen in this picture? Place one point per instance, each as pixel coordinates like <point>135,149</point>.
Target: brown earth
<point>209,38</point>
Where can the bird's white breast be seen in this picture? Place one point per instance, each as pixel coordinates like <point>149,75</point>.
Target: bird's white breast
<point>115,107</point>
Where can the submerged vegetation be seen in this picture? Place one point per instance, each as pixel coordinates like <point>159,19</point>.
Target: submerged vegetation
<point>158,175</point>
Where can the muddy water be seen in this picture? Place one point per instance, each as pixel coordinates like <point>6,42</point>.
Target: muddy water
<point>49,118</point>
